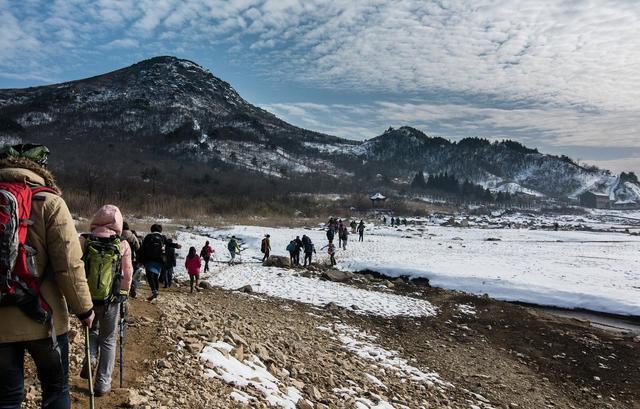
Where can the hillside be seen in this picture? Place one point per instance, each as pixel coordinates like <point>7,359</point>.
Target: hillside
<point>165,117</point>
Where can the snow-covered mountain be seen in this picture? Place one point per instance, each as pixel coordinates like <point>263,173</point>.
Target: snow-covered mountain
<point>171,111</point>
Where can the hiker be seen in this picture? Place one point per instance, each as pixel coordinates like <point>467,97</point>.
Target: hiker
<point>330,234</point>
<point>404,222</point>
<point>384,220</point>
<point>298,250</point>
<point>392,221</point>
<point>309,249</point>
<point>234,248</point>
<point>152,256</point>
<point>42,331</point>
<point>265,247</point>
<point>353,226</point>
<point>205,254</point>
<point>361,231</point>
<point>344,236</point>
<point>192,263</point>
<point>170,261</point>
<point>131,238</point>
<point>291,248</point>
<point>331,250</point>
<point>138,271</point>
<point>107,264</point>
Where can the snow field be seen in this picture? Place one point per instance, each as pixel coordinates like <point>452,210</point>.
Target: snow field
<point>569,269</point>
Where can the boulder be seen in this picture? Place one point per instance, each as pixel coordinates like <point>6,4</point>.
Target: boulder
<point>246,289</point>
<point>277,261</point>
<point>204,285</point>
<point>421,281</point>
<point>336,276</point>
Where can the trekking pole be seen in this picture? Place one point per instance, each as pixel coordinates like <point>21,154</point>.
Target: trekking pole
<point>123,314</point>
<point>92,401</point>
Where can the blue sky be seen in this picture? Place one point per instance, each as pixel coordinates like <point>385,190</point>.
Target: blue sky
<point>558,75</point>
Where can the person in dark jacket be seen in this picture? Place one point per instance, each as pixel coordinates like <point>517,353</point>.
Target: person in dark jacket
<point>361,228</point>
<point>309,249</point>
<point>170,261</point>
<point>205,254</point>
<point>330,234</point>
<point>152,256</point>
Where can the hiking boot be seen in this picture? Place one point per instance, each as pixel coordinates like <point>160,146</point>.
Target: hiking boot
<point>152,297</point>
<point>99,393</point>
<point>84,373</point>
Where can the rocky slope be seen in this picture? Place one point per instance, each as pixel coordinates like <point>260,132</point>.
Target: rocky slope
<point>168,110</point>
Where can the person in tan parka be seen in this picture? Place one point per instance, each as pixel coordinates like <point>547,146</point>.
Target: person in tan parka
<point>64,287</point>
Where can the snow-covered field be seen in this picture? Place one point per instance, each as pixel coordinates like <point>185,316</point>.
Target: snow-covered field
<point>570,269</point>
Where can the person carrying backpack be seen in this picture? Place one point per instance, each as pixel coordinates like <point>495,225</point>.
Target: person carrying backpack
<point>192,263</point>
<point>265,247</point>
<point>309,249</point>
<point>46,287</point>
<point>205,254</point>
<point>152,256</point>
<point>291,248</point>
<point>353,226</point>
<point>330,234</point>
<point>107,263</point>
<point>234,248</point>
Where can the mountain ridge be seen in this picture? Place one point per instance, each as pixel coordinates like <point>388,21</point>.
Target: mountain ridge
<point>174,109</point>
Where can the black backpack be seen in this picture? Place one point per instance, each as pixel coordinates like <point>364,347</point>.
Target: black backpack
<point>152,248</point>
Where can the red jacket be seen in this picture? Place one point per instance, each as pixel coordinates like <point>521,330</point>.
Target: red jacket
<point>193,265</point>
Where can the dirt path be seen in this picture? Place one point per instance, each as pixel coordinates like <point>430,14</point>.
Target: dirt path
<point>487,354</point>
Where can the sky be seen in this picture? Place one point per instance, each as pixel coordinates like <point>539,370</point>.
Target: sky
<point>562,76</point>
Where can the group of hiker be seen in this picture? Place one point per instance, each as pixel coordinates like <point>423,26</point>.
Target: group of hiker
<point>395,221</point>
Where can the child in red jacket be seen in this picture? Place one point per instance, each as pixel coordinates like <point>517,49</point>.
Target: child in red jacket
<point>193,264</point>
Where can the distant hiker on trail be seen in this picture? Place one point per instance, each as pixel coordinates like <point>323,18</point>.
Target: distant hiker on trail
<point>40,330</point>
<point>556,226</point>
<point>331,250</point>
<point>170,261</point>
<point>265,247</point>
<point>309,249</point>
<point>384,220</point>
<point>234,248</point>
<point>291,248</point>
<point>192,263</point>
<point>206,253</point>
<point>361,231</point>
<point>131,238</point>
<point>404,222</point>
<point>152,255</point>
<point>393,221</point>
<point>299,247</point>
<point>353,226</point>
<point>330,235</point>
<point>344,236</point>
<point>107,264</point>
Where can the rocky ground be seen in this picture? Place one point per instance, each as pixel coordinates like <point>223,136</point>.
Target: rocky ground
<point>475,353</point>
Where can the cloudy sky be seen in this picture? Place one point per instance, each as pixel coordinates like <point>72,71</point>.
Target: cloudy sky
<point>563,76</point>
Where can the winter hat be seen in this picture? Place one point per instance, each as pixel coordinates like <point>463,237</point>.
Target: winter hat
<point>107,221</point>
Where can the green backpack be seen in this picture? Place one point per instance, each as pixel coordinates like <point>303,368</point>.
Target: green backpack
<point>102,264</point>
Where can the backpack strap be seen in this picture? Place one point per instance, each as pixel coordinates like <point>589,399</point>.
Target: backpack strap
<point>42,189</point>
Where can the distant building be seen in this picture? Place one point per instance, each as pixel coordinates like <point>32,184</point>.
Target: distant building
<point>595,200</point>
<point>378,197</point>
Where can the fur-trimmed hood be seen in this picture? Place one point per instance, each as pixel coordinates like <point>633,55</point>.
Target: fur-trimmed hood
<point>14,169</point>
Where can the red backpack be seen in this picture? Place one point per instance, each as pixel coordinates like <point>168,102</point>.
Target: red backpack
<point>19,279</point>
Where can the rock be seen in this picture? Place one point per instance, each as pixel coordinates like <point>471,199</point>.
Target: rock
<point>164,364</point>
<point>204,285</point>
<point>388,284</point>
<point>238,353</point>
<point>421,281</point>
<point>313,393</point>
<point>304,404</point>
<point>277,261</point>
<point>398,281</point>
<point>335,276</point>
<point>233,338</point>
<point>636,339</point>
<point>492,239</point>
<point>73,335</point>
<point>306,274</point>
<point>246,289</point>
<point>135,400</point>
<point>332,306</point>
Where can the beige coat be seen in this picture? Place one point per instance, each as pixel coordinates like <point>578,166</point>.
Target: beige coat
<point>53,235</point>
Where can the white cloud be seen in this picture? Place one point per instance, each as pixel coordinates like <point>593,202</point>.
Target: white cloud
<point>123,43</point>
